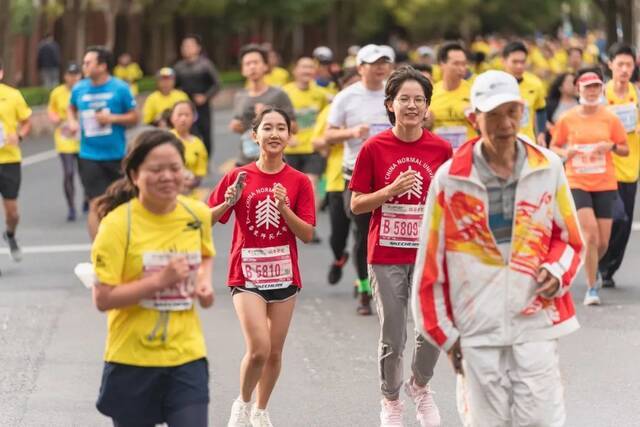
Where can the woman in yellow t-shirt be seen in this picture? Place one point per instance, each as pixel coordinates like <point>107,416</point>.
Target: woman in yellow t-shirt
<point>183,116</point>
<point>153,258</point>
<point>67,143</point>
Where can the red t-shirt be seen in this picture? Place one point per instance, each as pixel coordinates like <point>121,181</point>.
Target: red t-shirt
<point>263,250</point>
<point>394,228</point>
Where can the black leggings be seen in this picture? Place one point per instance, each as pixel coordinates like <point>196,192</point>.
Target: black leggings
<point>361,234</point>
<point>69,162</point>
<point>189,416</point>
<point>340,223</point>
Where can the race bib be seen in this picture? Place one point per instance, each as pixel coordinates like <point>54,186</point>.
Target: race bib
<point>524,122</point>
<point>2,137</point>
<point>90,124</point>
<point>179,297</point>
<point>455,135</point>
<point>587,161</point>
<point>400,225</point>
<point>267,268</point>
<point>250,149</point>
<point>628,115</point>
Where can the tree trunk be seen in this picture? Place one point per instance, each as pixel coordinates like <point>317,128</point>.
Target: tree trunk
<point>81,28</point>
<point>6,42</point>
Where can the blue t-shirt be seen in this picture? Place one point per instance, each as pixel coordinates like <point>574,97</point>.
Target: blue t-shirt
<point>101,142</point>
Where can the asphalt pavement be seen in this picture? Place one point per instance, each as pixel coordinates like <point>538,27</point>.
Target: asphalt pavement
<point>52,338</point>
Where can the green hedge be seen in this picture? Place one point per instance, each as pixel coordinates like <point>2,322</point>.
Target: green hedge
<point>37,95</point>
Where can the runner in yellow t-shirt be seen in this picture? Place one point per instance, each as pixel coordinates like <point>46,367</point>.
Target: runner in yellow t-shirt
<point>153,259</point>
<point>622,99</point>
<point>128,71</point>
<point>450,104</point>
<point>14,126</point>
<point>339,221</point>
<point>162,99</point>
<point>67,142</point>
<point>514,56</point>
<point>196,158</point>
<point>308,100</point>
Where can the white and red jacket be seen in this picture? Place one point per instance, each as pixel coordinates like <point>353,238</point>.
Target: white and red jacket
<point>462,285</point>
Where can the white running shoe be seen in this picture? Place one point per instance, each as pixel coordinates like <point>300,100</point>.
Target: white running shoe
<point>592,297</point>
<point>427,412</point>
<point>391,413</point>
<point>260,418</point>
<point>240,414</point>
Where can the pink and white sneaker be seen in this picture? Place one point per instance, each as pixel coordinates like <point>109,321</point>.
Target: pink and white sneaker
<point>427,412</point>
<point>391,413</point>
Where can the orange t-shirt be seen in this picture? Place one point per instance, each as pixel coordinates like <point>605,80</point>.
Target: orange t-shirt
<point>587,170</point>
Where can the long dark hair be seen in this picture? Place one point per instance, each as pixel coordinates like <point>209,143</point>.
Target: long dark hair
<point>123,190</point>
<point>554,89</point>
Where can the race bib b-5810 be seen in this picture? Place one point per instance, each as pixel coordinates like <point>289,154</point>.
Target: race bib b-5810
<point>267,268</point>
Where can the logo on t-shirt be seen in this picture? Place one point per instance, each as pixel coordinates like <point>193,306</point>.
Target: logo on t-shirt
<point>417,193</point>
<point>263,217</point>
<point>416,189</point>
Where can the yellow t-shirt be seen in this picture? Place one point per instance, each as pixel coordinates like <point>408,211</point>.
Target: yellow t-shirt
<point>156,103</point>
<point>333,170</point>
<point>130,74</point>
<point>436,72</point>
<point>532,91</point>
<point>130,330</point>
<point>277,77</point>
<point>58,104</point>
<point>449,109</point>
<point>627,168</point>
<point>195,154</point>
<point>13,110</point>
<point>307,105</point>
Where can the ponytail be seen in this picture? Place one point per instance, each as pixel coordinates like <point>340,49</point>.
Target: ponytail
<point>118,193</point>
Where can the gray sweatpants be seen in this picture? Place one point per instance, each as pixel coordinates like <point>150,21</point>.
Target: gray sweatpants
<point>391,291</point>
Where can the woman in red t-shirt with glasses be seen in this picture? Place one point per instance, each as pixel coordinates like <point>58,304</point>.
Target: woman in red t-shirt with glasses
<point>274,205</point>
<point>391,178</point>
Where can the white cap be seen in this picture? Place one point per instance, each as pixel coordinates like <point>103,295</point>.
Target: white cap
<point>323,54</point>
<point>372,52</point>
<point>492,89</point>
<point>425,51</point>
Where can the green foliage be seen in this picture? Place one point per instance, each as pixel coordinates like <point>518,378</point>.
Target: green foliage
<point>35,95</point>
<point>23,15</point>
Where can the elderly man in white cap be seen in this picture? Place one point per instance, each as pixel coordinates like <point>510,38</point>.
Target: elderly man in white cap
<point>357,113</point>
<point>500,247</point>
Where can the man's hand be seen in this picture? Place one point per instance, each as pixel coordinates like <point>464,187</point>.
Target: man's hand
<point>199,99</point>
<point>548,285</point>
<point>455,357</point>
<point>360,131</point>
<point>103,118</point>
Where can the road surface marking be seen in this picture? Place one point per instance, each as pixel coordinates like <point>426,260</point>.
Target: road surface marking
<point>39,157</point>
<point>51,249</point>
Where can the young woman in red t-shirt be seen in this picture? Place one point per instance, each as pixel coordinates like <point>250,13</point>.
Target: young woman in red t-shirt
<point>274,205</point>
<point>391,179</point>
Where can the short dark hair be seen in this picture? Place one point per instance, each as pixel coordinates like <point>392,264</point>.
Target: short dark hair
<point>621,49</point>
<point>514,46</point>
<point>397,79</point>
<point>270,109</point>
<point>104,55</point>
<point>250,48</point>
<point>424,68</point>
<point>443,51</point>
<point>195,37</point>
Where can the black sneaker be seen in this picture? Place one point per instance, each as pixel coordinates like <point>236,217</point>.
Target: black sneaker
<point>14,249</point>
<point>335,269</point>
<point>608,282</point>
<point>364,308</point>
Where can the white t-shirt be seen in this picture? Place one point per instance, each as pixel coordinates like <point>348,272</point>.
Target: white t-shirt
<point>354,106</point>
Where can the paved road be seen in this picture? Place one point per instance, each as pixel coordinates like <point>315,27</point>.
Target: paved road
<point>51,337</point>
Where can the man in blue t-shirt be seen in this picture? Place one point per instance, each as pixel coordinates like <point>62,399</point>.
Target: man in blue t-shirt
<point>101,107</point>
